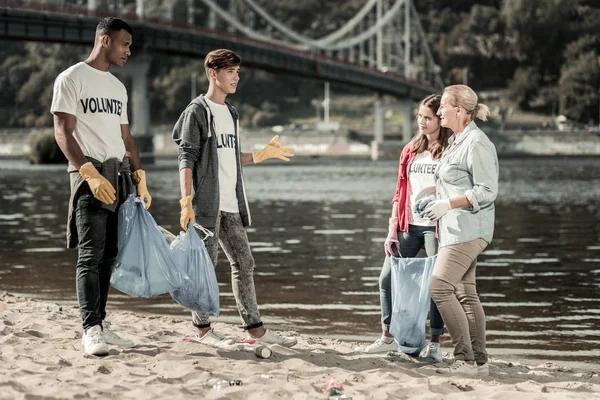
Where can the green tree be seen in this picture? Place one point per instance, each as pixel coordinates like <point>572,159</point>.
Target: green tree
<point>524,86</point>
<point>540,32</point>
<point>580,80</point>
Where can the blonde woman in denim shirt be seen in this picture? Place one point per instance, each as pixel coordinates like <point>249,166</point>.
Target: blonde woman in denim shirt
<point>466,187</point>
<point>408,231</point>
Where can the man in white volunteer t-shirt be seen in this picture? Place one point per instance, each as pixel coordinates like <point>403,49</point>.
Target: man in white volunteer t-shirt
<point>210,160</point>
<point>91,127</point>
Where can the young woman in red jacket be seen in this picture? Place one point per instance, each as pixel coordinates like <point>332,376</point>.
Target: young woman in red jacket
<point>408,231</point>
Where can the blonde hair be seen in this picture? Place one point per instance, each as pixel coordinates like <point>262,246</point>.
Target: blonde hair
<point>465,97</point>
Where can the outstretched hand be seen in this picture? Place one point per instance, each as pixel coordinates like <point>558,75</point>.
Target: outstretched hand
<point>273,150</point>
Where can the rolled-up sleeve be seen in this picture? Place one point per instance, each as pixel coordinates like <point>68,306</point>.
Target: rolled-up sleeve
<point>186,134</point>
<point>482,162</point>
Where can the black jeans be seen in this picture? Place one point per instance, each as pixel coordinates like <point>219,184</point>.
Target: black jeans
<point>97,254</point>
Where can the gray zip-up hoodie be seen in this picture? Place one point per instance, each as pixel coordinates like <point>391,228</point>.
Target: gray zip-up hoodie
<point>198,151</point>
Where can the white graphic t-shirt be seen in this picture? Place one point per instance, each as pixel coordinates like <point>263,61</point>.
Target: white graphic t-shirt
<point>99,102</point>
<point>226,143</point>
<point>421,177</point>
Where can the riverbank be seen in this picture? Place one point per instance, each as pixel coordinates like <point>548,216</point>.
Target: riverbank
<point>41,357</point>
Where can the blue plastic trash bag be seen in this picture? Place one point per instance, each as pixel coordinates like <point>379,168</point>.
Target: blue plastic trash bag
<point>144,267</point>
<point>410,301</point>
<point>202,292</point>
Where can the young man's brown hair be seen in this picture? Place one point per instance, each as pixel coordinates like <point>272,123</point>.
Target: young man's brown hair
<point>222,58</point>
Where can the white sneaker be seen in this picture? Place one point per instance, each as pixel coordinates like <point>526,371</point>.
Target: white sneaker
<point>93,342</point>
<point>273,338</point>
<point>459,367</point>
<point>434,352</point>
<point>212,339</point>
<point>378,346</point>
<point>110,337</point>
<point>484,369</point>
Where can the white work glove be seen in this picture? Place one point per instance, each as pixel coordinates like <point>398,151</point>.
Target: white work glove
<point>436,209</point>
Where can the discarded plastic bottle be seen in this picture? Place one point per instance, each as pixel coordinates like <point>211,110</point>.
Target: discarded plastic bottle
<point>290,377</point>
<point>51,307</point>
<point>221,383</point>
<point>260,351</point>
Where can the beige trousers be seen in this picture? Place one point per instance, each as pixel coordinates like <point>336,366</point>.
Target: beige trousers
<point>454,291</point>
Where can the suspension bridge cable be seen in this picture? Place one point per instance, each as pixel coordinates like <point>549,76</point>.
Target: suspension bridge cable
<point>243,28</point>
<point>425,44</point>
<point>372,31</point>
<point>327,39</point>
<point>306,43</point>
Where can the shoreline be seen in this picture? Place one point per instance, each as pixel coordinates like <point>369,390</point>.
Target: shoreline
<point>41,356</point>
<point>166,162</point>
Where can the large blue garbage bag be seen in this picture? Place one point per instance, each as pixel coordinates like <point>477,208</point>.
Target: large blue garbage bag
<point>202,292</point>
<point>144,267</point>
<point>410,301</point>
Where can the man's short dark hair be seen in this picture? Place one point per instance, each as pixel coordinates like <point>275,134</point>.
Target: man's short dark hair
<point>222,58</point>
<point>110,25</point>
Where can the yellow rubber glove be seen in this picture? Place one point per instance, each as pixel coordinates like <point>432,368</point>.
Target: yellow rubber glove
<point>187,212</point>
<point>273,150</point>
<point>139,178</point>
<point>100,186</point>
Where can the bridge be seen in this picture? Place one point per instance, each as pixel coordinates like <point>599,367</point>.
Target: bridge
<point>382,48</point>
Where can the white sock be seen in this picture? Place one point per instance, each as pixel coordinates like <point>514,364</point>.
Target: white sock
<point>387,339</point>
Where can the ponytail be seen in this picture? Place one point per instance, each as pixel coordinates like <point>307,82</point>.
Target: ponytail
<point>481,111</point>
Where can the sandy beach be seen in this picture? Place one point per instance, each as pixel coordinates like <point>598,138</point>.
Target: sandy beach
<point>41,358</point>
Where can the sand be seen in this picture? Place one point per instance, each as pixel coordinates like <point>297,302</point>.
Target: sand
<point>41,358</point>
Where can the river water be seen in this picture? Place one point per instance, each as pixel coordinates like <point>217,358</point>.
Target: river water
<point>317,238</point>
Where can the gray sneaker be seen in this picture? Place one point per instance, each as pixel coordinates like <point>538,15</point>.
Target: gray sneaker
<point>378,346</point>
<point>459,367</point>
<point>273,338</point>
<point>434,352</point>
<point>213,339</point>
<point>110,337</point>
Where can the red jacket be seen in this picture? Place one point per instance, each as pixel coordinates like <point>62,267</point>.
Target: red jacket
<point>403,190</point>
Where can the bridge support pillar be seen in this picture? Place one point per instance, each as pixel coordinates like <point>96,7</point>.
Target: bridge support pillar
<point>91,6</point>
<point>378,131</point>
<point>406,108</point>
<point>140,9</point>
<point>137,70</point>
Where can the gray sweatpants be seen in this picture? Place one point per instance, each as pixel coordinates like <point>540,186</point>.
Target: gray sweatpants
<point>231,235</point>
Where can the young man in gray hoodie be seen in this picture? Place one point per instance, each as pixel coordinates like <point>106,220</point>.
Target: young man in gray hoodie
<point>210,159</point>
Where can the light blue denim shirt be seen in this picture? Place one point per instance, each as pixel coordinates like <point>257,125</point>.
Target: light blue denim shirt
<point>469,166</point>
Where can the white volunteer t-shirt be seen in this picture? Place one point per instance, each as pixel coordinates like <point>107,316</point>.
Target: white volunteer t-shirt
<point>226,143</point>
<point>421,177</point>
<point>99,101</point>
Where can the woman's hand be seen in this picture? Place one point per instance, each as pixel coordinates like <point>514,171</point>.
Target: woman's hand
<point>392,237</point>
<point>436,209</point>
